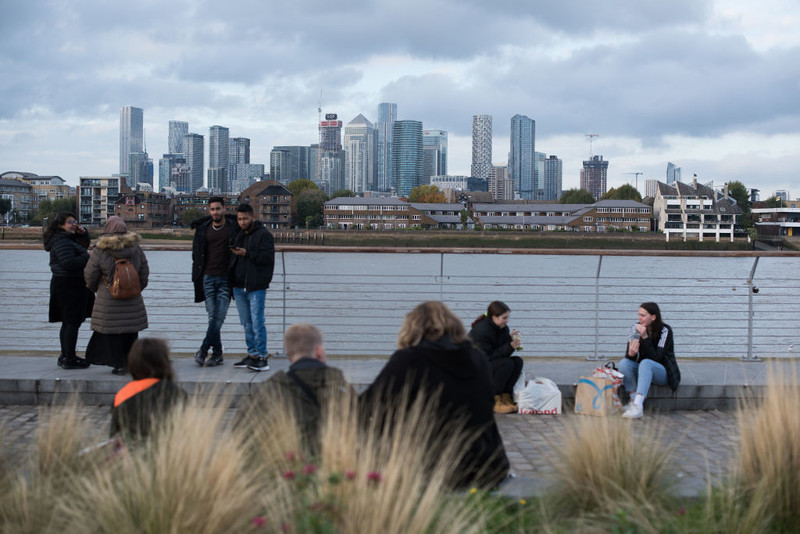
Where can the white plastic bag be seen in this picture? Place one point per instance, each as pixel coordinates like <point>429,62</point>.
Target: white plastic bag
<point>537,395</point>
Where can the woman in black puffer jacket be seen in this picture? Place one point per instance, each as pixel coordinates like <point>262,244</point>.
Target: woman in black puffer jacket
<point>70,300</point>
<point>490,333</point>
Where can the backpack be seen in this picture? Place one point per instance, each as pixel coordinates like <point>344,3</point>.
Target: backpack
<point>125,282</point>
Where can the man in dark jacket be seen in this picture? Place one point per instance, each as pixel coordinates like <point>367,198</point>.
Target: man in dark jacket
<point>211,258</point>
<point>250,273</point>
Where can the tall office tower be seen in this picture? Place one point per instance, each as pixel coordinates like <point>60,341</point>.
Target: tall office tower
<point>218,158</point>
<point>538,175</point>
<point>165,169</point>
<point>500,185</point>
<point>331,157</point>
<point>552,178</point>
<point>673,173</point>
<point>140,170</point>
<point>650,187</point>
<point>290,163</point>
<point>177,129</point>
<point>182,177</point>
<point>131,135</point>
<point>387,114</point>
<point>239,151</point>
<point>593,176</point>
<point>434,147</point>
<point>782,194</point>
<point>330,133</point>
<point>520,157</point>
<point>481,146</point>
<point>407,157</point>
<point>360,139</point>
<point>193,153</point>
<point>245,175</point>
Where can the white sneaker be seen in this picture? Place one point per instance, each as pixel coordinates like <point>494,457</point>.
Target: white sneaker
<point>635,411</point>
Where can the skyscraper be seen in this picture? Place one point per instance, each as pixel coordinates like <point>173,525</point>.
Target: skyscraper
<point>407,157</point>
<point>360,138</point>
<point>218,157</point>
<point>593,176</point>
<point>177,129</point>
<point>673,173</point>
<point>290,163</point>
<point>131,135</point>
<point>166,167</point>
<point>434,147</point>
<point>538,175</point>
<point>387,114</point>
<point>520,157</point>
<point>239,150</point>
<point>193,153</point>
<point>331,157</point>
<point>552,178</point>
<point>140,169</point>
<point>481,146</point>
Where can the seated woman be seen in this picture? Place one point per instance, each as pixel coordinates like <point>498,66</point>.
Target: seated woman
<point>490,334</point>
<point>650,359</point>
<point>145,402</point>
<point>435,356</point>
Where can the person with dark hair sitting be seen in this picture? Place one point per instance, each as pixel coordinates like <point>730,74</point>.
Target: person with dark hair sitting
<point>491,334</point>
<point>144,403</point>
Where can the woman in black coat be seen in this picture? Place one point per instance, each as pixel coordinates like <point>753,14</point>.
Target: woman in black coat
<point>435,358</point>
<point>70,301</point>
<point>490,333</point>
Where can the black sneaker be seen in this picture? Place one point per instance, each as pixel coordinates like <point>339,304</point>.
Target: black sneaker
<point>260,364</point>
<point>245,363</point>
<point>200,357</point>
<point>73,363</point>
<point>214,360</point>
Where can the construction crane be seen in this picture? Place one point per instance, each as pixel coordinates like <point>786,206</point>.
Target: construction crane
<point>590,136</point>
<point>637,178</point>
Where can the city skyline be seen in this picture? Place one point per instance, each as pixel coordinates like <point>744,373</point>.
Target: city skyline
<point>706,84</point>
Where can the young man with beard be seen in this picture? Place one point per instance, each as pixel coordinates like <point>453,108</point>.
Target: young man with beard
<point>250,274</point>
<point>211,259</point>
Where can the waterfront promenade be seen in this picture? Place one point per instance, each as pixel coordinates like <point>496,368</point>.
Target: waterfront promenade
<point>700,421</point>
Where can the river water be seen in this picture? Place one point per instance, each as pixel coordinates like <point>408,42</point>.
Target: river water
<point>564,305</point>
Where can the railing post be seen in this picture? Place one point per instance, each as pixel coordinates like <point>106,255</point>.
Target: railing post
<point>597,311</point>
<point>283,272</point>
<point>751,290</point>
<point>441,277</point>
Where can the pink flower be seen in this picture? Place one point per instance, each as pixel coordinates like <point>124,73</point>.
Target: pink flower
<point>259,521</point>
<point>284,527</point>
<point>681,511</point>
<point>288,475</point>
<point>350,475</point>
<point>309,469</point>
<point>374,476</point>
<point>290,457</point>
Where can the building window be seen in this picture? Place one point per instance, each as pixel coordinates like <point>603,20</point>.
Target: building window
<point>587,219</point>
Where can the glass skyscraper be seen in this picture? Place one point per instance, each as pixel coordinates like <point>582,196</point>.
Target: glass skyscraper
<point>177,129</point>
<point>131,135</point>
<point>387,114</point>
<point>552,178</point>
<point>359,147</point>
<point>434,146</point>
<point>193,153</point>
<point>521,156</point>
<point>481,146</point>
<point>407,157</point>
<point>218,158</point>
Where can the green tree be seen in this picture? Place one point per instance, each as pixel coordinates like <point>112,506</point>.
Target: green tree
<point>774,202</point>
<point>427,194</point>
<point>190,215</point>
<point>623,192</point>
<point>342,193</point>
<point>464,214</point>
<point>303,184</point>
<point>738,192</point>
<point>576,196</point>
<point>50,208</point>
<point>310,207</point>
<point>5,206</point>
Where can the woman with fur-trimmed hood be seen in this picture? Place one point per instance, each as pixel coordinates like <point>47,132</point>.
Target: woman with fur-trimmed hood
<point>115,323</point>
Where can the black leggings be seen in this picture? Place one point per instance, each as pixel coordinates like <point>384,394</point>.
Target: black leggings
<point>505,373</point>
<point>69,339</point>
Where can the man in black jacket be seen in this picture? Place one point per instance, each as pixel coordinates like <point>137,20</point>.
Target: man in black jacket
<point>211,259</point>
<point>250,274</point>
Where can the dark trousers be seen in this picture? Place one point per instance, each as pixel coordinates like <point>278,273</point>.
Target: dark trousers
<point>505,373</point>
<point>69,339</point>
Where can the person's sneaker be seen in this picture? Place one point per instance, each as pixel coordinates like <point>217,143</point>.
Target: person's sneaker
<point>635,411</point>
<point>73,363</point>
<point>245,362</point>
<point>200,357</point>
<point>260,364</point>
<point>214,360</point>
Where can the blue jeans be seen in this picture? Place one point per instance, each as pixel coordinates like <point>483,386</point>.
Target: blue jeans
<point>251,314</point>
<point>218,298</point>
<point>639,376</point>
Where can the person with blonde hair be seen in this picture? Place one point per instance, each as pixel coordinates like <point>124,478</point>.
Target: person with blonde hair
<point>435,356</point>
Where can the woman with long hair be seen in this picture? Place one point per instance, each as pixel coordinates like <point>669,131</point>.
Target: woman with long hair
<point>649,359</point>
<point>491,334</point>
<point>434,357</point>
<point>70,301</point>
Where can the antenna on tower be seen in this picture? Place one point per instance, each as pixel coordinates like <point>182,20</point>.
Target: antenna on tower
<point>590,136</point>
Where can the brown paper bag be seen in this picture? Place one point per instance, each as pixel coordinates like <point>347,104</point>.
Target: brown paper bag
<point>594,396</point>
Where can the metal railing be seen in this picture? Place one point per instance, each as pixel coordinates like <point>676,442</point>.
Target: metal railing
<point>564,305</point>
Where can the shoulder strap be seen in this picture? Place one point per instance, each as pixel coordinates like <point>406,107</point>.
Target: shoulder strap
<point>305,388</point>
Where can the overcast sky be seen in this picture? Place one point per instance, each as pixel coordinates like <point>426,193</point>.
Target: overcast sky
<point>713,86</point>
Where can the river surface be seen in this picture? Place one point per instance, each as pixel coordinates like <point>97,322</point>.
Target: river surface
<point>564,305</point>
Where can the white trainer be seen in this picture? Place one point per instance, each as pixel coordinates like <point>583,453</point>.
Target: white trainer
<point>635,411</point>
